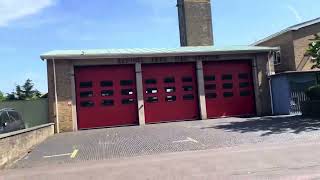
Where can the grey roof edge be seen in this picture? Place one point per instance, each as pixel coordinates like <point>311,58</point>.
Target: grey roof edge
<point>296,72</point>
<point>149,53</point>
<point>291,28</point>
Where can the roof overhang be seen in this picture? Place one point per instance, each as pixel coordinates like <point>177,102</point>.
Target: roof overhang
<point>137,53</point>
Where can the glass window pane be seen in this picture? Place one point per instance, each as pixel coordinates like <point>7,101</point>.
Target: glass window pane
<point>126,82</point>
<point>227,86</point>
<point>169,80</point>
<point>151,81</point>
<point>171,98</point>
<point>86,103</point>
<point>170,89</point>
<point>244,84</point>
<point>107,93</point>
<point>227,77</point>
<point>152,99</point>
<point>245,93</point>
<point>210,78</point>
<point>127,101</point>
<point>151,91</point>
<point>188,97</point>
<point>187,88</point>
<point>86,94</point>
<point>211,95</point>
<point>108,102</point>
<point>106,83</point>
<point>86,84</point>
<point>127,91</point>
<point>228,94</point>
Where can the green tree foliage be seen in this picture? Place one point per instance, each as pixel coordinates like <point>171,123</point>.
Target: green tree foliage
<point>24,92</point>
<point>2,97</point>
<point>314,51</point>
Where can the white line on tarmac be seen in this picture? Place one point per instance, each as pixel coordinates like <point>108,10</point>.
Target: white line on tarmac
<point>57,155</point>
<point>186,140</point>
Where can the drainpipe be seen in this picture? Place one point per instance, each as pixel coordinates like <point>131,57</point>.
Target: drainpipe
<point>271,58</point>
<point>56,95</point>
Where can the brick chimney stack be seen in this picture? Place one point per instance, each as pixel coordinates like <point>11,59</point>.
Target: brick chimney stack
<point>195,22</point>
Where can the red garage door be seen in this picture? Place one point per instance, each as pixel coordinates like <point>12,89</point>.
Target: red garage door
<point>170,92</point>
<point>106,96</point>
<point>229,88</point>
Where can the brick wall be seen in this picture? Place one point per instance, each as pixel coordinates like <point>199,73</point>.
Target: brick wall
<point>195,22</point>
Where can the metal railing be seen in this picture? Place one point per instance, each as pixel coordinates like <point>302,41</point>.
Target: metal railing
<point>296,98</point>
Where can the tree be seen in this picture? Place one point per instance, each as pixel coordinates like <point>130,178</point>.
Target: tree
<point>24,92</point>
<point>314,51</point>
<point>2,97</point>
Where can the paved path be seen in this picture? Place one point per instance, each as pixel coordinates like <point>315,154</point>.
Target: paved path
<point>266,161</point>
<point>113,143</point>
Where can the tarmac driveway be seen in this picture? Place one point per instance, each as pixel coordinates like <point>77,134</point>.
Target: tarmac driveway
<point>101,144</point>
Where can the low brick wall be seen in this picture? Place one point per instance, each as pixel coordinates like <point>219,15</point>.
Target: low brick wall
<point>16,144</point>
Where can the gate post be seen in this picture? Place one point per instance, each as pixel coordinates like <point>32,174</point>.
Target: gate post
<point>201,91</point>
<point>140,99</point>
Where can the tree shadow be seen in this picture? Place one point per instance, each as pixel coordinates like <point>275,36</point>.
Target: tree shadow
<point>272,125</point>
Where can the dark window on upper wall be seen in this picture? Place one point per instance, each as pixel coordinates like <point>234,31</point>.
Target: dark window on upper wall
<point>170,89</point>
<point>108,102</point>
<point>86,94</point>
<point>210,78</point>
<point>228,94</point>
<point>127,92</point>
<point>243,76</point>
<point>152,99</point>
<point>245,93</point>
<point>211,95</point>
<point>187,79</point>
<point>151,81</point>
<point>86,103</point>
<point>244,84</point>
<point>127,101</point>
<point>171,98</point>
<point>107,93</point>
<point>126,82</point>
<point>227,86</point>
<point>86,84</point>
<point>187,88</point>
<point>106,83</point>
<point>151,91</point>
<point>227,77</point>
<point>210,86</point>
<point>169,80</point>
<point>188,97</point>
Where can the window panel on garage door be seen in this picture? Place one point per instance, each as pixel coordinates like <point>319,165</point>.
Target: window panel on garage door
<point>170,92</point>
<point>106,96</point>
<point>229,88</point>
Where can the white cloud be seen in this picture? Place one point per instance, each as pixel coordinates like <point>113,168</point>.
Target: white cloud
<point>11,10</point>
<point>295,13</point>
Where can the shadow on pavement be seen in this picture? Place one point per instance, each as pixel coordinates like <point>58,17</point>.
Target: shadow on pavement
<point>273,125</point>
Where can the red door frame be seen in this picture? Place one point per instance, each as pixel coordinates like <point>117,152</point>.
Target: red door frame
<point>164,105</point>
<point>224,100</point>
<point>106,101</point>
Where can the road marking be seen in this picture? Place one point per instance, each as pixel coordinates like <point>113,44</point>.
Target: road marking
<point>74,153</point>
<point>186,140</point>
<point>57,155</point>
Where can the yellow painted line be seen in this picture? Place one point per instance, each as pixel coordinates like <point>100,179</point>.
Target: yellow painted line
<point>74,153</point>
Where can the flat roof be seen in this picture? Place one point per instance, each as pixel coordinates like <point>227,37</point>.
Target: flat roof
<point>296,72</point>
<point>153,52</point>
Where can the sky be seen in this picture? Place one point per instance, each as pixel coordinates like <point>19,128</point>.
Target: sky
<point>29,28</point>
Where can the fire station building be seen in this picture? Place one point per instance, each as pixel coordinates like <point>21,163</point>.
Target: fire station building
<point>120,87</point>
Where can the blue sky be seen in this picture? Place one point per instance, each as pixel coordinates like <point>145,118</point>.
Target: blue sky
<point>31,27</point>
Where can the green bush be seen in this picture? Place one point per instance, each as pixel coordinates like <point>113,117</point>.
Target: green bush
<point>313,92</point>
